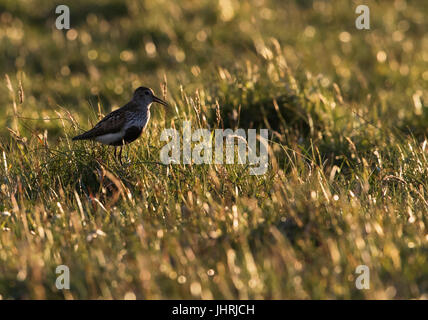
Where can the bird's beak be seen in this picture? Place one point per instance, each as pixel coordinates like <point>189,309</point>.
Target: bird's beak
<point>158,100</point>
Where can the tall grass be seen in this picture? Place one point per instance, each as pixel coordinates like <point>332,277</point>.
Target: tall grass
<point>346,184</point>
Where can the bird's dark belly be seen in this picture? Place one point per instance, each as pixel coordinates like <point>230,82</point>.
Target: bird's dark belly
<point>131,134</point>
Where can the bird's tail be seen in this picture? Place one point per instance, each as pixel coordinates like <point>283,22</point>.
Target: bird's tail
<point>80,137</point>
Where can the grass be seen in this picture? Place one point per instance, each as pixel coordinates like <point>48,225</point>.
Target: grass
<point>346,186</point>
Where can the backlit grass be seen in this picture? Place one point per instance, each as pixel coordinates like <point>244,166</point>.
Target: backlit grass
<point>346,185</point>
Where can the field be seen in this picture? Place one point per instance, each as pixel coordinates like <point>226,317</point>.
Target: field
<point>346,184</point>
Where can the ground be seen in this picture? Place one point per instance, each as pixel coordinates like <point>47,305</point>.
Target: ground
<point>347,179</point>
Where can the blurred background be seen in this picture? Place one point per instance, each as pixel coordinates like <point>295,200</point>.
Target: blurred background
<point>115,46</point>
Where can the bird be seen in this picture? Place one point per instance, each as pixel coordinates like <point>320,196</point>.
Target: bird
<point>125,124</point>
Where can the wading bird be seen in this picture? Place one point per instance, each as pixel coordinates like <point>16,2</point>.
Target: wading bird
<point>126,124</point>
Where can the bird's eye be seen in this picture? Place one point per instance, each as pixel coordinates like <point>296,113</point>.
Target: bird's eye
<point>146,93</point>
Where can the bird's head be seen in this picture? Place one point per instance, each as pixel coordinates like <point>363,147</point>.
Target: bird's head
<point>146,96</point>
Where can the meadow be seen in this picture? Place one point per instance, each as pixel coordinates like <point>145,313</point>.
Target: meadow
<point>347,181</point>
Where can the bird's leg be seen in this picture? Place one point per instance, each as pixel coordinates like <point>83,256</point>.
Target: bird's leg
<point>120,155</point>
<point>127,154</point>
<point>116,157</point>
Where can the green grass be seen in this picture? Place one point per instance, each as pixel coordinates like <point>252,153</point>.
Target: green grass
<point>347,180</point>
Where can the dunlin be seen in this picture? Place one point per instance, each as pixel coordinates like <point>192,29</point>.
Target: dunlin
<point>126,124</point>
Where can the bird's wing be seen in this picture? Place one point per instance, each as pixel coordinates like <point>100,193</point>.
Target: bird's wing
<point>111,123</point>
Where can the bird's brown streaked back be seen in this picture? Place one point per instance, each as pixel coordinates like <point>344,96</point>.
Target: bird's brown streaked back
<point>111,123</point>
